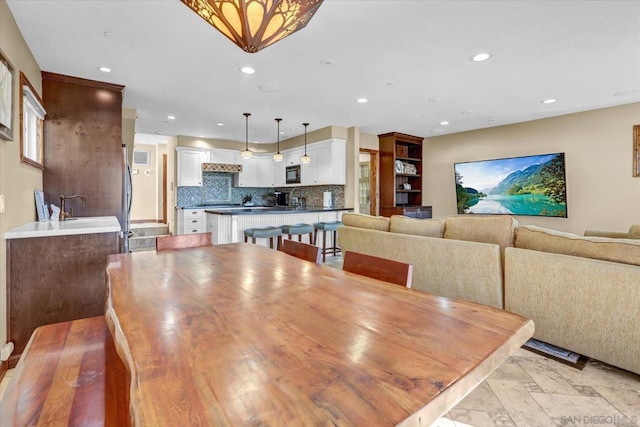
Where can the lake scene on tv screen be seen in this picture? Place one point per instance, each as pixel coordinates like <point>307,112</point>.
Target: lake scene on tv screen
<point>529,185</point>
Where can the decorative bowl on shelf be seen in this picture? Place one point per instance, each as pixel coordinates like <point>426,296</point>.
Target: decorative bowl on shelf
<point>410,168</point>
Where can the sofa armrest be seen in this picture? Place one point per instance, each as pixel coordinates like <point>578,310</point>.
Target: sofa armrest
<point>581,304</point>
<point>470,271</point>
<point>610,234</point>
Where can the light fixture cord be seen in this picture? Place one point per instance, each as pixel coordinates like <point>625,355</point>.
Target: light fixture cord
<point>305,137</point>
<point>278,120</point>
<point>246,137</point>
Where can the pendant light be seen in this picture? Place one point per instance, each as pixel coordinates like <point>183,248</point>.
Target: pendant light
<point>305,158</point>
<point>246,153</point>
<point>255,24</point>
<point>278,157</point>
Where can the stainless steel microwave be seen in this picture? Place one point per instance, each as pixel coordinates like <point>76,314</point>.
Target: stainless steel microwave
<point>293,174</point>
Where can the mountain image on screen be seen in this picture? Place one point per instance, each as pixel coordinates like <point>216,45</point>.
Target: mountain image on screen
<point>533,185</point>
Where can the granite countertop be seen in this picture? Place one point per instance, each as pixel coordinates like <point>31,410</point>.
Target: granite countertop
<point>73,225</point>
<point>262,210</point>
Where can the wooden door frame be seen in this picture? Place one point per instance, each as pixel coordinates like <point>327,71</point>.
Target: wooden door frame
<point>373,178</point>
<point>164,188</point>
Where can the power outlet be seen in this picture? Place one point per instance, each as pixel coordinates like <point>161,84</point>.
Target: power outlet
<point>1,203</point>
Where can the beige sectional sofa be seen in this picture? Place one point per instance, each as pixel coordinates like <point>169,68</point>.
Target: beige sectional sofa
<point>583,293</point>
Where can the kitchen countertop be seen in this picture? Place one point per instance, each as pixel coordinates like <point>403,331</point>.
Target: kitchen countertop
<point>73,225</point>
<point>265,210</point>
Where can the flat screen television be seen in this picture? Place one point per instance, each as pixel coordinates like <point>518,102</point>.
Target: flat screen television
<point>528,185</point>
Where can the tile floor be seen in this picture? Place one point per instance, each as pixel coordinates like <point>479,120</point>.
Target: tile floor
<point>529,390</point>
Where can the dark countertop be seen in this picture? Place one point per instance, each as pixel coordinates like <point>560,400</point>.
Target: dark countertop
<point>272,210</point>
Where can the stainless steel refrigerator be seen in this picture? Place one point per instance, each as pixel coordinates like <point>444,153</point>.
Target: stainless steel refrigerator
<point>127,195</point>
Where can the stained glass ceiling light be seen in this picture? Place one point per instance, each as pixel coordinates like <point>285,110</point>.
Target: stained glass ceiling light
<point>255,24</point>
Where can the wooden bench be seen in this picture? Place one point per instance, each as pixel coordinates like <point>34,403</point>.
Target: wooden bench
<point>69,374</point>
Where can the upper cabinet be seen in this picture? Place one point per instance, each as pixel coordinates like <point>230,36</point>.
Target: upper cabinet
<point>189,169</point>
<point>327,166</point>
<point>249,175</point>
<point>221,155</point>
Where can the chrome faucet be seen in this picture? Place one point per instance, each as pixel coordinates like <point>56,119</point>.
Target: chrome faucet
<point>291,202</point>
<point>64,214</point>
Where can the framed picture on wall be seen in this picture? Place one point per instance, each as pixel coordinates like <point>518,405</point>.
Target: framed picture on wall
<point>6,98</point>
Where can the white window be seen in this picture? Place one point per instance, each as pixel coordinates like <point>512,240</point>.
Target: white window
<point>33,113</point>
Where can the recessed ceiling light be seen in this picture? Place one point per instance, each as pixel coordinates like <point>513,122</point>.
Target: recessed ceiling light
<point>220,124</point>
<point>433,100</point>
<point>387,83</point>
<point>444,123</point>
<point>170,117</point>
<point>104,69</point>
<point>327,62</point>
<point>247,70</point>
<point>110,34</point>
<point>362,100</point>
<point>480,57</point>
<point>549,101</point>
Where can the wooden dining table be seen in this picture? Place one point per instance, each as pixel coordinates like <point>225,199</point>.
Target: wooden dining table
<point>238,334</point>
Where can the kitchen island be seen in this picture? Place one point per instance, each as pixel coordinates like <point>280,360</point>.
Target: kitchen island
<point>55,273</point>
<point>228,225</point>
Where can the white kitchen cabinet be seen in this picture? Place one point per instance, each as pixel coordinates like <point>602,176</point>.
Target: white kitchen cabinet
<point>221,155</point>
<point>266,173</point>
<point>249,175</point>
<point>280,178</point>
<point>191,221</point>
<point>189,169</point>
<point>292,156</point>
<point>327,166</point>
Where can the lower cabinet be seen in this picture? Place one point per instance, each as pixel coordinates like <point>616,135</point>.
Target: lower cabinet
<point>191,221</point>
<point>54,279</point>
<point>420,212</point>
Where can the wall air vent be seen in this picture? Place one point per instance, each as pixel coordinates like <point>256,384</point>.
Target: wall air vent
<point>141,158</point>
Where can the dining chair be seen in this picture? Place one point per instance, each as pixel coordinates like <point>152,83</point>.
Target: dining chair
<point>182,241</point>
<point>398,273</point>
<point>301,250</point>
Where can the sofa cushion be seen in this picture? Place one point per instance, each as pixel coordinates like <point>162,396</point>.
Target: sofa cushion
<point>626,251</point>
<point>634,231</point>
<point>379,223</point>
<point>419,227</point>
<point>499,230</point>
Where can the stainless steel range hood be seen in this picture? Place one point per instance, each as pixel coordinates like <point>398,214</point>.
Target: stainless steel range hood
<point>221,167</point>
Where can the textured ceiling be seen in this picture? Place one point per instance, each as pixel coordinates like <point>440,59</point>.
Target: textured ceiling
<point>409,58</point>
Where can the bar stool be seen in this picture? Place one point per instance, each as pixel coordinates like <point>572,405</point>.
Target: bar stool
<point>327,226</point>
<point>264,233</point>
<point>299,230</point>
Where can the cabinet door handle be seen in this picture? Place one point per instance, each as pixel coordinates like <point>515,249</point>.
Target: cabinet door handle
<point>194,220</point>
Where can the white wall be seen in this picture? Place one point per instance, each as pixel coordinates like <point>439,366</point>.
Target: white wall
<point>602,194</point>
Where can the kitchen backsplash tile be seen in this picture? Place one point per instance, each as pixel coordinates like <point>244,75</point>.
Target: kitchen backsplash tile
<point>217,188</point>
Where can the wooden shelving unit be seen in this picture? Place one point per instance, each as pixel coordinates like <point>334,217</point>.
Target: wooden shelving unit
<point>401,175</point>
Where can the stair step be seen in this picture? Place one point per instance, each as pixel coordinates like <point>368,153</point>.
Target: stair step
<point>150,231</point>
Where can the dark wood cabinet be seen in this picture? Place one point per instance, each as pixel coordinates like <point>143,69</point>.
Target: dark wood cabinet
<point>401,175</point>
<point>54,279</point>
<point>83,144</point>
